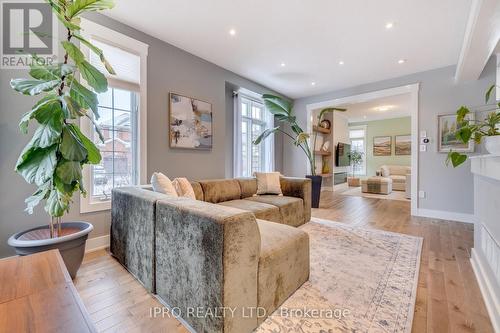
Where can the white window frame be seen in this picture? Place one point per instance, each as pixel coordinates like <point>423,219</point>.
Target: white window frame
<point>96,31</point>
<point>269,142</point>
<point>364,128</point>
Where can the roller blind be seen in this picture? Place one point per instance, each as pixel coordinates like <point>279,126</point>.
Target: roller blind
<point>127,66</point>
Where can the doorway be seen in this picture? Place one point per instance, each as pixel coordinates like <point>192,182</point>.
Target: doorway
<point>392,103</point>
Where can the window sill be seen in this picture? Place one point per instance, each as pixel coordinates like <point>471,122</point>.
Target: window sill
<point>86,206</point>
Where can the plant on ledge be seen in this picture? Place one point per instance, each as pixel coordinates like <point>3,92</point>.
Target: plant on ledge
<point>283,112</point>
<point>476,130</point>
<point>54,157</point>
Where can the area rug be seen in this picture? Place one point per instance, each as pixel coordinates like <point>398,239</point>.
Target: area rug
<point>394,195</point>
<point>361,280</point>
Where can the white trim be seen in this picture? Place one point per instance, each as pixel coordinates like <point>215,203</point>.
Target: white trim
<point>413,90</point>
<point>445,215</point>
<point>106,35</point>
<point>491,300</point>
<point>268,120</point>
<point>96,243</point>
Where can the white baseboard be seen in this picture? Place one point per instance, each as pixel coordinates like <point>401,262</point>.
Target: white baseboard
<point>491,300</point>
<point>445,215</point>
<point>97,243</point>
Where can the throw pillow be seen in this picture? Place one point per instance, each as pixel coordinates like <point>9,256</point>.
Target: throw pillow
<point>268,183</point>
<point>184,188</point>
<point>163,184</point>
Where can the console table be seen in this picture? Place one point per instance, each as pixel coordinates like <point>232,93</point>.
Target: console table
<point>37,295</point>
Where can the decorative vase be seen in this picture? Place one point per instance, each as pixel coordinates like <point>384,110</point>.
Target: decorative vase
<point>316,190</point>
<point>492,144</point>
<point>71,244</point>
<point>326,166</point>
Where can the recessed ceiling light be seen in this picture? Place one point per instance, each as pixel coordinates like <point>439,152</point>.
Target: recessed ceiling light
<point>364,117</point>
<point>401,61</point>
<point>232,32</point>
<point>341,62</point>
<point>313,83</point>
<point>389,25</point>
<point>282,64</point>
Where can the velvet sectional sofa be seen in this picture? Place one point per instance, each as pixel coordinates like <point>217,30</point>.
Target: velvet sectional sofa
<point>230,251</point>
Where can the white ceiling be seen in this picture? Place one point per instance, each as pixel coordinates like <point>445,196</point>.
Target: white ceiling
<point>310,37</point>
<point>377,109</point>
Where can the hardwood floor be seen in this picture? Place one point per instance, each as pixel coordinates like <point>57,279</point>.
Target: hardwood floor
<point>448,296</point>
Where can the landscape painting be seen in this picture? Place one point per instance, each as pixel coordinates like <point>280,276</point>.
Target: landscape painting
<point>447,128</point>
<point>402,144</point>
<point>382,146</point>
<point>190,123</point>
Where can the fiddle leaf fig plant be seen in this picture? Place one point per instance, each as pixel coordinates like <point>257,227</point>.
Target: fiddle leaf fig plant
<point>474,129</point>
<point>356,158</point>
<point>54,157</point>
<point>282,110</point>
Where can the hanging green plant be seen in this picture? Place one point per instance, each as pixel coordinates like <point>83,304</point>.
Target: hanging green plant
<point>475,129</point>
<point>282,110</point>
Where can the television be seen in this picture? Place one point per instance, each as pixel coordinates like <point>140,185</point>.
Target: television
<point>343,154</point>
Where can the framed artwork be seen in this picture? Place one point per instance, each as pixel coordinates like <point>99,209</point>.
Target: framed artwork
<point>402,144</point>
<point>447,126</point>
<point>190,123</point>
<point>382,145</point>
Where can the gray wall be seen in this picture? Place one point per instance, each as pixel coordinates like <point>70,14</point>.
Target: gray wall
<point>447,189</point>
<point>169,69</point>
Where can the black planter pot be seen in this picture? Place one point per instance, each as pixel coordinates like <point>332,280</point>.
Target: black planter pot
<point>71,246</point>
<point>316,190</point>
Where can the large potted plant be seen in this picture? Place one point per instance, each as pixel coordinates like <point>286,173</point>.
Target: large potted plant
<point>477,130</point>
<point>283,112</point>
<point>356,158</point>
<point>54,157</point>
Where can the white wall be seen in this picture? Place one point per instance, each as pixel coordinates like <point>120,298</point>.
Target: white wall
<point>447,189</point>
<point>340,134</point>
<point>169,69</point>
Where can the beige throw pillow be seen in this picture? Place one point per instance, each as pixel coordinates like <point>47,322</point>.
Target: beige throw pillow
<point>163,184</point>
<point>268,183</point>
<point>184,188</point>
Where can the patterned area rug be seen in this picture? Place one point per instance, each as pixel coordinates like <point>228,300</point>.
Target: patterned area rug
<point>361,280</point>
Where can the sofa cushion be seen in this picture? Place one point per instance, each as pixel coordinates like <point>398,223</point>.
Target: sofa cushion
<point>184,188</point>
<point>268,182</point>
<point>248,187</point>
<point>163,184</point>
<point>218,190</point>
<point>260,210</point>
<point>389,170</point>
<point>398,179</point>
<point>291,209</point>
<point>283,263</point>
<point>198,191</point>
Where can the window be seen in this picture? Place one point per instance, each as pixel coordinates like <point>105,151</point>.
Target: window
<point>357,135</point>
<point>122,121</point>
<point>118,110</point>
<point>250,121</point>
